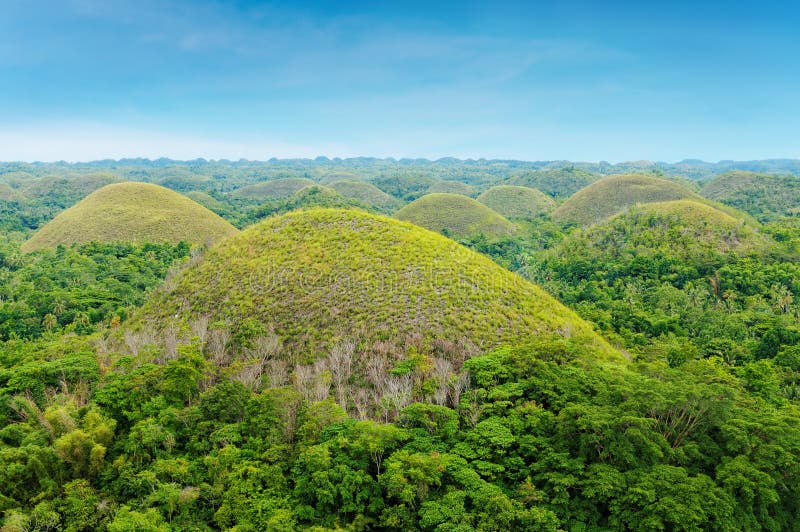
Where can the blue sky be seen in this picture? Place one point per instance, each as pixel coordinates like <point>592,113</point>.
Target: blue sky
<point>89,79</point>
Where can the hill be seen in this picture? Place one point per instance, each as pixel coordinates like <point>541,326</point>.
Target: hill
<point>271,190</point>
<point>686,231</point>
<point>368,194</point>
<point>517,202</point>
<point>322,274</point>
<point>8,193</point>
<point>765,196</point>
<point>307,198</point>
<point>405,187</point>
<point>66,191</point>
<point>333,177</point>
<point>557,182</point>
<point>612,194</point>
<point>451,187</point>
<point>132,212</point>
<point>456,216</point>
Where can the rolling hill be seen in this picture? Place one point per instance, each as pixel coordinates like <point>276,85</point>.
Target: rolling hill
<point>318,275</point>
<point>684,230</point>
<point>132,212</point>
<point>456,216</point>
<point>271,190</point>
<point>613,194</point>
<point>557,182</point>
<point>451,187</point>
<point>368,194</point>
<point>66,191</point>
<point>765,196</point>
<point>517,202</point>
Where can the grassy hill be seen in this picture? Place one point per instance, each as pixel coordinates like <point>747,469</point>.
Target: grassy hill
<point>557,182</point>
<point>456,216</point>
<point>684,230</point>
<point>451,187</point>
<point>405,187</point>
<point>7,192</point>
<point>271,190</point>
<point>368,194</point>
<point>307,198</point>
<point>132,212</point>
<point>333,177</point>
<point>764,196</point>
<point>316,276</point>
<point>517,202</point>
<point>613,194</point>
<point>66,191</point>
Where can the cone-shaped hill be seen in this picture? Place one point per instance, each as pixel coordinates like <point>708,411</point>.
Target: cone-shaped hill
<point>272,190</point>
<point>132,212</point>
<point>368,194</point>
<point>451,187</point>
<point>320,275</point>
<point>455,216</point>
<point>517,202</point>
<point>764,196</point>
<point>683,230</point>
<point>613,194</point>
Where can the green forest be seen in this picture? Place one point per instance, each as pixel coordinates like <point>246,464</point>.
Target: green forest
<point>381,344</point>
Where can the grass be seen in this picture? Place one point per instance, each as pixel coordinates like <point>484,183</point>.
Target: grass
<point>319,275</point>
<point>517,202</point>
<point>271,190</point>
<point>452,187</point>
<point>683,229</point>
<point>71,188</point>
<point>557,182</point>
<point>613,194</point>
<point>456,216</point>
<point>764,196</point>
<point>8,193</point>
<point>207,200</point>
<point>368,194</point>
<point>132,212</point>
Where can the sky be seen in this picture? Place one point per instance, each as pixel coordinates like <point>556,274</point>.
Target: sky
<point>578,80</point>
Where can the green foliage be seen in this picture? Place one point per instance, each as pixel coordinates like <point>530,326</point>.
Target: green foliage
<point>765,196</point>
<point>131,212</point>
<point>80,287</point>
<point>272,190</point>
<point>557,182</point>
<point>212,425</point>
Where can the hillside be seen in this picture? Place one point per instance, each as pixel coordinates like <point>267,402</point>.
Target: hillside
<point>65,191</point>
<point>456,216</point>
<point>557,182</point>
<point>368,194</point>
<point>764,196</point>
<point>685,230</point>
<point>307,198</point>
<point>271,190</point>
<point>451,187</point>
<point>405,187</point>
<point>612,194</point>
<point>132,212</point>
<point>316,275</point>
<point>517,202</point>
